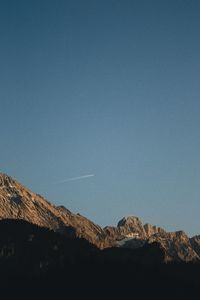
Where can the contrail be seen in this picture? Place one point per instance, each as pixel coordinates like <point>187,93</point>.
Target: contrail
<point>77,178</point>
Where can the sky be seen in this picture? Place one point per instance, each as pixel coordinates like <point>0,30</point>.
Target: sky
<point>106,88</point>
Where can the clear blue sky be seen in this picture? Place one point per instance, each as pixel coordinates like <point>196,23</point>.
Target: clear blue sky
<point>109,88</point>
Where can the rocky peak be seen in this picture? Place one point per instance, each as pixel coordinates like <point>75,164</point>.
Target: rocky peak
<point>5,181</point>
<point>63,209</point>
<point>131,227</point>
<point>131,224</point>
<point>129,221</point>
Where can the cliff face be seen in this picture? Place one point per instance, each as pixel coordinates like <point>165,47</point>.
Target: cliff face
<point>18,202</point>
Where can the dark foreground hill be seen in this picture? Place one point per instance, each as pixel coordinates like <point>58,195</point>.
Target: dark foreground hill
<point>37,263</point>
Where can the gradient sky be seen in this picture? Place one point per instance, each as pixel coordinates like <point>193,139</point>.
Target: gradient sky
<point>109,88</point>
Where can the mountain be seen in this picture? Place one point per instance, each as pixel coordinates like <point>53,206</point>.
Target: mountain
<point>131,227</point>
<point>18,202</point>
<point>131,233</point>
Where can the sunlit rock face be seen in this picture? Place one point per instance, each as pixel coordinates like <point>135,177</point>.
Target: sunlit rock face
<point>132,224</point>
<point>150,229</point>
<point>127,228</point>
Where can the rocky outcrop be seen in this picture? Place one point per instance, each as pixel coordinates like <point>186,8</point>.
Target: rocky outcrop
<point>131,225</point>
<point>150,229</point>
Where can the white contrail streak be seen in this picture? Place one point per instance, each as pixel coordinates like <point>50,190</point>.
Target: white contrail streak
<point>77,178</point>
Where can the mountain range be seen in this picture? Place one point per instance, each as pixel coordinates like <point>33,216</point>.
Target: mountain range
<point>20,203</point>
<point>48,252</point>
